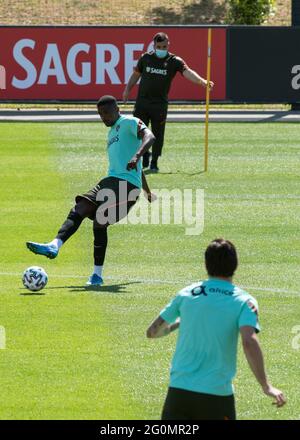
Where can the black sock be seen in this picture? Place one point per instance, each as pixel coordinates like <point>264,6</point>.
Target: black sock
<point>70,226</point>
<point>100,244</point>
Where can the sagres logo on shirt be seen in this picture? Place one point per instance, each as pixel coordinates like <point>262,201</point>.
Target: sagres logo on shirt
<point>156,71</point>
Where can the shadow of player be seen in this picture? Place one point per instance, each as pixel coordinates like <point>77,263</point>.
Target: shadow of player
<point>111,288</point>
<point>163,173</point>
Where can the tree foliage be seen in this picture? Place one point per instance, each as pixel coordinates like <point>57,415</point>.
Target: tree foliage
<point>251,12</point>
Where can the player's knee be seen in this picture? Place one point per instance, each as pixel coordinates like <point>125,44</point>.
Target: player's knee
<point>84,208</point>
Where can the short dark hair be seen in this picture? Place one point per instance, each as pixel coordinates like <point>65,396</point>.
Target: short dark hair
<point>221,258</point>
<point>159,37</point>
<point>107,99</point>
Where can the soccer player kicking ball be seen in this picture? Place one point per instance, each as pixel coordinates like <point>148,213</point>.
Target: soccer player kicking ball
<point>210,315</point>
<point>112,198</point>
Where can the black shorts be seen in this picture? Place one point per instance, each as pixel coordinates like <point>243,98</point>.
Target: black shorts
<point>115,197</point>
<point>157,114</point>
<point>189,405</point>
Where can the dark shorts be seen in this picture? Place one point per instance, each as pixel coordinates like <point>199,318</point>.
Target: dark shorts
<point>113,198</point>
<point>156,114</point>
<point>189,405</point>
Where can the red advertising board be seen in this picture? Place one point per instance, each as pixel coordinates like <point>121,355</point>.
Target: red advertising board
<point>83,63</point>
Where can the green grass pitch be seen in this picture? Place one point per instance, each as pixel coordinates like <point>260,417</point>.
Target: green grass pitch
<point>77,354</point>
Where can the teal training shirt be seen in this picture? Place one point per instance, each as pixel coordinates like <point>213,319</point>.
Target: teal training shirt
<point>122,144</point>
<point>211,313</point>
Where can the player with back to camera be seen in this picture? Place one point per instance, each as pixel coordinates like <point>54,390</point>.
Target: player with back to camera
<point>112,198</point>
<point>210,315</point>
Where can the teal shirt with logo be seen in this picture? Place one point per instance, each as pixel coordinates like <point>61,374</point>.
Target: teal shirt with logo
<point>211,313</point>
<point>122,144</point>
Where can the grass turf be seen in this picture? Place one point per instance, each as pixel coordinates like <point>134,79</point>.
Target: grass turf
<point>77,354</point>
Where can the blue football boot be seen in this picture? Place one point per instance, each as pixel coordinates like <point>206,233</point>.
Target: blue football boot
<point>95,280</point>
<point>48,250</point>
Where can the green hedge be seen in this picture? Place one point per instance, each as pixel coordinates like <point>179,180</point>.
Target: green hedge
<point>251,12</point>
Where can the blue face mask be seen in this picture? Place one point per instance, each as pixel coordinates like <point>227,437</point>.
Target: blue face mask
<point>161,53</point>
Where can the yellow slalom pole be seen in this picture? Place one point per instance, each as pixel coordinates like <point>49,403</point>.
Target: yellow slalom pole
<point>207,99</point>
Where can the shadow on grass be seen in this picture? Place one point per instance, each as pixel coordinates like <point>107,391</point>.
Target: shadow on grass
<point>26,292</point>
<point>197,12</point>
<point>162,173</point>
<point>112,288</point>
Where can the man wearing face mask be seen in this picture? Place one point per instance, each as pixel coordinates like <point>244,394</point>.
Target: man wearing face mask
<point>156,70</point>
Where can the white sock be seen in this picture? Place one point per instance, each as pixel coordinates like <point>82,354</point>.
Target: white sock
<point>57,242</point>
<point>98,270</point>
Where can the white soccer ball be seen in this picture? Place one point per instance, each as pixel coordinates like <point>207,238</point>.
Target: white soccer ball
<point>35,278</point>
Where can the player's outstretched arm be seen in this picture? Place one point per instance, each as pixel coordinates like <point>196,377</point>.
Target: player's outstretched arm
<point>148,139</point>
<point>193,76</point>
<point>160,327</point>
<point>147,191</point>
<point>135,76</point>
<point>255,360</point>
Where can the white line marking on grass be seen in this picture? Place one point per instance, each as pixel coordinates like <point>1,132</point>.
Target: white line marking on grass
<point>270,289</point>
<point>253,196</point>
<point>171,282</point>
